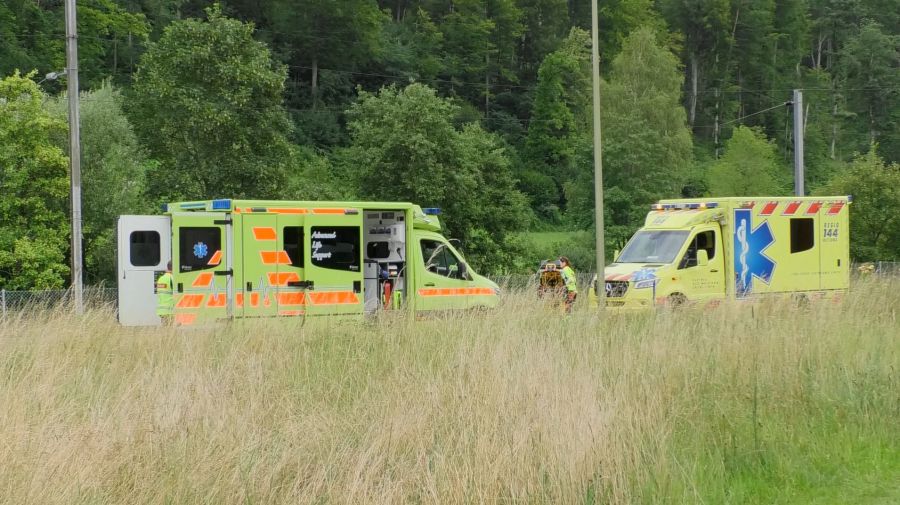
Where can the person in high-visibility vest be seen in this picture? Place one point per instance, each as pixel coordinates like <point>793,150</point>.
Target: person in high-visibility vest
<point>571,283</point>
<point>165,296</point>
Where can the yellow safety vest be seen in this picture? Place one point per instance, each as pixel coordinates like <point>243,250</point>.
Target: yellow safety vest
<point>568,276</point>
<point>165,299</point>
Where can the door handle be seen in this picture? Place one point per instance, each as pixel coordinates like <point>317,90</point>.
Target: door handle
<point>714,270</point>
<point>429,284</point>
<point>180,287</point>
<point>249,286</point>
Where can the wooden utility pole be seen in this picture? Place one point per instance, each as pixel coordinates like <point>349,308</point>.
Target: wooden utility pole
<point>598,160</point>
<point>74,152</point>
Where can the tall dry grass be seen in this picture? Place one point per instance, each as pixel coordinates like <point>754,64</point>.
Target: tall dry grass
<point>765,403</point>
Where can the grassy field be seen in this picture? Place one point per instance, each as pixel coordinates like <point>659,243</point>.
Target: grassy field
<point>742,404</point>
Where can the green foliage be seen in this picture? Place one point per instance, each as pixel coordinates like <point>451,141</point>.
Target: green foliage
<point>113,173</point>
<point>647,149</point>
<point>874,219</point>
<point>33,190</point>
<point>207,104</point>
<point>749,167</point>
<point>405,148</point>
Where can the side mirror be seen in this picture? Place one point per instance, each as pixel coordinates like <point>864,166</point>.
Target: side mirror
<point>702,258</point>
<point>463,271</point>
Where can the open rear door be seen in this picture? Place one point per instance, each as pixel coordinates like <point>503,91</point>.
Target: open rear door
<point>144,248</point>
<point>334,274</point>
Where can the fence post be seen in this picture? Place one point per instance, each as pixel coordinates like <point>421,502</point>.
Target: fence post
<point>3,303</point>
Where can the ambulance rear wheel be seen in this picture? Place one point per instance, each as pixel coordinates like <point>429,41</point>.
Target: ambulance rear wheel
<point>676,300</point>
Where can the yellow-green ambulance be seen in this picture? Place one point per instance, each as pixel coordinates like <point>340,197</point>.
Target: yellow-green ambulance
<point>705,250</point>
<point>251,258</point>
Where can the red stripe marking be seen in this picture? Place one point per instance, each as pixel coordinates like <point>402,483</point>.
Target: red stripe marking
<point>185,319</point>
<point>835,208</point>
<point>814,208</point>
<point>217,300</point>
<point>276,210</point>
<point>263,233</point>
<point>333,298</point>
<point>275,258</point>
<point>189,301</point>
<point>791,209</point>
<point>291,299</point>
<point>768,209</point>
<point>203,280</point>
<point>456,291</point>
<point>281,279</point>
<point>216,258</point>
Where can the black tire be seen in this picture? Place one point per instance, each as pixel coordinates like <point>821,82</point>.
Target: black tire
<point>676,300</point>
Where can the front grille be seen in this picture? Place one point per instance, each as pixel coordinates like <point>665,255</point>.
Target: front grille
<point>616,289</point>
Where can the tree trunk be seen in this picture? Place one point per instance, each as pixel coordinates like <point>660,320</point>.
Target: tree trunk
<point>314,91</point>
<point>695,77</point>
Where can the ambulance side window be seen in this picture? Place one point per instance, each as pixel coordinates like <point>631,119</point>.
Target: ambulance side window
<point>197,248</point>
<point>335,247</point>
<point>143,248</point>
<point>293,244</point>
<point>803,236</point>
<point>440,260</point>
<point>705,240</point>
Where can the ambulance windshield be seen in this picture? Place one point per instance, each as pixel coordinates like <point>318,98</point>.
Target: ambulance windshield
<point>653,246</point>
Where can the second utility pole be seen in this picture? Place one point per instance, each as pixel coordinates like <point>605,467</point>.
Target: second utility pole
<point>598,161</point>
<point>799,190</point>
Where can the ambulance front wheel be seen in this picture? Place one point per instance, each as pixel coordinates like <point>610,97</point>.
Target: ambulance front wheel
<point>676,300</point>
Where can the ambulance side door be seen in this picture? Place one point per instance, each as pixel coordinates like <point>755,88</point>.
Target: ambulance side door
<point>703,282</point>
<point>333,268</point>
<point>439,281</point>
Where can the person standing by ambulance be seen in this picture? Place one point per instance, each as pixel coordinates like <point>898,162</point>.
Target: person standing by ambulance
<point>571,283</point>
<point>165,296</point>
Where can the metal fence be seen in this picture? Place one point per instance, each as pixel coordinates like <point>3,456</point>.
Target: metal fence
<point>102,296</point>
<point>20,301</point>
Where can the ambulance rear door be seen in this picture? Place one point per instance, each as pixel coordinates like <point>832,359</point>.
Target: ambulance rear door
<point>202,266</point>
<point>144,248</point>
<point>333,266</point>
<point>834,249</point>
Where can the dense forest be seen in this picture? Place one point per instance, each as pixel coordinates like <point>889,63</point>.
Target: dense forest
<point>481,107</point>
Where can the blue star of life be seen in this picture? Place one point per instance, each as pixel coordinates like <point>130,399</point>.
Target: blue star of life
<point>200,250</point>
<point>644,278</point>
<point>750,259</point>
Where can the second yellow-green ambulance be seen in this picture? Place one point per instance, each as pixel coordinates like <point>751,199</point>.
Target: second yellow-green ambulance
<point>703,251</point>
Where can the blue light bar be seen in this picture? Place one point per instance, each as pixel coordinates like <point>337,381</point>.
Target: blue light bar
<point>693,205</point>
<point>712,205</point>
<point>431,211</point>
<point>221,204</point>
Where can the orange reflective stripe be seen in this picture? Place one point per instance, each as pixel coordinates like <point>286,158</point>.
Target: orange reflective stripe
<point>290,312</point>
<point>216,258</point>
<point>332,297</point>
<point>276,210</point>
<point>239,299</point>
<point>291,298</point>
<point>329,211</point>
<point>254,299</point>
<point>263,233</point>
<point>203,280</point>
<point>189,301</point>
<point>275,258</point>
<point>185,319</point>
<point>237,210</point>
<point>282,278</point>
<point>217,300</point>
<point>456,292</point>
